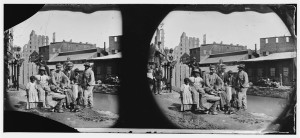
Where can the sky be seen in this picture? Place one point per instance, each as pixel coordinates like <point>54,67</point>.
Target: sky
<point>243,28</point>
<point>94,28</point>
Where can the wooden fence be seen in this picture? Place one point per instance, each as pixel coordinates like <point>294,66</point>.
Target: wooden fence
<point>27,69</point>
<point>179,72</point>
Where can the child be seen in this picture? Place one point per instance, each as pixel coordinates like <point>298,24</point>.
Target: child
<point>79,102</point>
<point>32,94</point>
<point>186,96</point>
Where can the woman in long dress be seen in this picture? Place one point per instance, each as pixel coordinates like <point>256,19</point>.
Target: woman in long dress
<point>186,96</point>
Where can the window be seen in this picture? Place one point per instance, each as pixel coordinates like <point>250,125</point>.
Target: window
<point>98,69</point>
<point>266,41</point>
<point>250,72</point>
<point>276,40</point>
<point>285,71</point>
<point>272,72</point>
<point>108,70</point>
<point>116,39</point>
<point>260,72</point>
<point>287,39</point>
<point>204,51</point>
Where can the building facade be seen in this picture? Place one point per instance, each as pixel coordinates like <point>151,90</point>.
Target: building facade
<point>114,44</point>
<point>35,41</point>
<point>186,43</point>
<point>271,45</point>
<point>62,47</point>
<point>277,66</point>
<point>211,49</point>
<point>230,59</point>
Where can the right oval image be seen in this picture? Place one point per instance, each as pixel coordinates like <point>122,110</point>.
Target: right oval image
<point>230,68</point>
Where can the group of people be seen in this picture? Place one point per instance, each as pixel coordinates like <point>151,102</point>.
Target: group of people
<point>155,78</point>
<point>63,86</point>
<point>215,90</point>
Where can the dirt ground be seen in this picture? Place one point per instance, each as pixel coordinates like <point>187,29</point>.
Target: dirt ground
<point>86,118</point>
<point>241,120</point>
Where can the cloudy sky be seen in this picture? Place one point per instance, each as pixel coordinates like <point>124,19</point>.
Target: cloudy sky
<point>243,28</point>
<point>93,28</point>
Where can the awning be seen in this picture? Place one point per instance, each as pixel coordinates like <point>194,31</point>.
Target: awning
<point>73,57</point>
<point>79,66</point>
<point>233,68</point>
<point>117,55</point>
<point>274,56</point>
<point>225,59</point>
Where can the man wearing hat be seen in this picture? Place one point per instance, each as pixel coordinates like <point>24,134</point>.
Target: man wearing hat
<point>242,83</point>
<point>212,82</point>
<point>196,89</point>
<point>228,83</point>
<point>158,76</point>
<point>60,80</point>
<point>224,103</point>
<point>75,81</point>
<point>42,84</point>
<point>88,82</point>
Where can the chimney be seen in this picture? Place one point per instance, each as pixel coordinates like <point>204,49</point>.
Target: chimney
<point>54,37</point>
<point>255,49</point>
<point>204,39</point>
<point>71,40</point>
<point>104,47</point>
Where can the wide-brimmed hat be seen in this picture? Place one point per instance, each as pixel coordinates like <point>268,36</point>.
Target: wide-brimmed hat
<point>58,65</point>
<point>42,68</point>
<point>230,72</point>
<point>76,70</point>
<point>242,66</point>
<point>70,64</point>
<point>223,66</point>
<point>196,71</point>
<point>212,66</point>
<point>87,64</point>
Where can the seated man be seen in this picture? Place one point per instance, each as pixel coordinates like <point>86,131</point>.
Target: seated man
<point>211,91</point>
<point>60,80</point>
<point>55,99</point>
<point>42,85</point>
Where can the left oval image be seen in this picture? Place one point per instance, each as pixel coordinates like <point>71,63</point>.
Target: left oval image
<point>63,64</point>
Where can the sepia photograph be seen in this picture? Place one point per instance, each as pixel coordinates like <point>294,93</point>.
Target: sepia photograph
<point>222,71</point>
<point>210,69</point>
<point>63,65</point>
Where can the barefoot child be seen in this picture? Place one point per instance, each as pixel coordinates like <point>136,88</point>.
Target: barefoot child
<point>186,96</point>
<point>32,94</point>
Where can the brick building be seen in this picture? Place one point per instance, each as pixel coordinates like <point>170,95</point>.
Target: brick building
<point>114,44</point>
<point>186,43</point>
<point>271,45</point>
<point>277,66</point>
<point>62,47</point>
<point>230,59</point>
<point>35,41</point>
<point>211,49</point>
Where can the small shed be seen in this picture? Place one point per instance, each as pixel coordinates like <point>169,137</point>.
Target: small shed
<point>106,66</point>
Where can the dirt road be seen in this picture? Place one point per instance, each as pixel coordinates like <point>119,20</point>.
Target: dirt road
<point>86,118</point>
<point>242,120</point>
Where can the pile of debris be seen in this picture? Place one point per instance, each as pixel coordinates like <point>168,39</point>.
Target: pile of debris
<point>107,88</point>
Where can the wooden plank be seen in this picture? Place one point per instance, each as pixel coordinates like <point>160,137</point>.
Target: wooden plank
<point>178,76</point>
<point>173,77</point>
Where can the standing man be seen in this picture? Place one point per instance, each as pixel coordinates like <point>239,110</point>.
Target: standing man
<point>231,97</point>
<point>88,82</point>
<point>242,82</point>
<point>224,103</point>
<point>42,85</point>
<point>158,78</point>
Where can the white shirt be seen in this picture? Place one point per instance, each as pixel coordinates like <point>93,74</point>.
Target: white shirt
<point>197,81</point>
